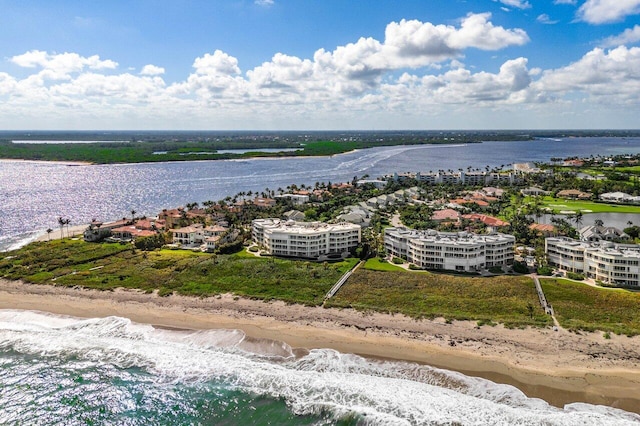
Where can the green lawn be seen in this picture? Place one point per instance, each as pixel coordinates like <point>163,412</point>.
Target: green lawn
<point>374,264</point>
<point>109,266</point>
<point>487,300</point>
<point>558,204</point>
<point>582,307</point>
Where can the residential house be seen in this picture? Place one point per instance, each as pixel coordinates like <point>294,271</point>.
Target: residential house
<point>296,199</point>
<point>619,197</point>
<point>444,215</point>
<point>491,221</point>
<point>294,215</point>
<point>264,203</point>
<point>98,231</point>
<point>593,233</point>
<point>543,229</point>
<point>574,194</point>
<point>534,191</point>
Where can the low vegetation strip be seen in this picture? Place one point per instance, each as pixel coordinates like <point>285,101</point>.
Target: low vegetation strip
<point>508,300</point>
<point>110,266</point>
<point>581,307</point>
<point>154,151</point>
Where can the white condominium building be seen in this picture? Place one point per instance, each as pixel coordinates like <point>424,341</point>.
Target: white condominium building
<point>617,264</point>
<point>305,239</point>
<point>459,251</point>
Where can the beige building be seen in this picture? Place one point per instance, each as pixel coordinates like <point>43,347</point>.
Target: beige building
<point>305,239</point>
<point>458,251</point>
<point>617,264</point>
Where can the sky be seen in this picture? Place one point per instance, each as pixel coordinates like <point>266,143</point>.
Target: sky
<point>319,64</point>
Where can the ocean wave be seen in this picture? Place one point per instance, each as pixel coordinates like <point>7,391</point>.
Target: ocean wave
<point>377,392</point>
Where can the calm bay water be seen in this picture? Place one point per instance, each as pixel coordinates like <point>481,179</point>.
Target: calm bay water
<point>61,370</point>
<point>35,194</point>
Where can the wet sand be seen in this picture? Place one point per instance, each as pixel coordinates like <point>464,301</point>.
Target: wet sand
<point>559,367</point>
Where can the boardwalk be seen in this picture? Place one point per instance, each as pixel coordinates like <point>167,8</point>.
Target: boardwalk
<point>548,309</point>
<point>341,281</point>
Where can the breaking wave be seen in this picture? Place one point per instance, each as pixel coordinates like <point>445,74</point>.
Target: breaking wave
<point>321,381</point>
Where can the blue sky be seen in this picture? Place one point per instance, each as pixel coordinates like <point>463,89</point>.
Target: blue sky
<point>319,64</point>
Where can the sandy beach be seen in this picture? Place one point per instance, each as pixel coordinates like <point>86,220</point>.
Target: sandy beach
<point>557,366</point>
<point>71,231</point>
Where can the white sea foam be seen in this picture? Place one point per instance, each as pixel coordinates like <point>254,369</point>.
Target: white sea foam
<point>14,242</point>
<point>381,392</point>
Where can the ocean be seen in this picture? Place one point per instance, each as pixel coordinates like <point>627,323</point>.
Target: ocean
<point>57,370</point>
<point>109,371</point>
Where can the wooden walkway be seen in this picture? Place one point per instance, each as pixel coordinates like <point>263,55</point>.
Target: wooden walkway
<point>343,279</point>
<point>548,309</point>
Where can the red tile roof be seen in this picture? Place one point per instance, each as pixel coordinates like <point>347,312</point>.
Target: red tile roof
<point>446,214</point>
<point>487,220</point>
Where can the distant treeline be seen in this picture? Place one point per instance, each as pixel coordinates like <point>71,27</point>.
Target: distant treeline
<point>153,146</point>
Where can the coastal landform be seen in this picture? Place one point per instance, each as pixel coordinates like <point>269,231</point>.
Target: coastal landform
<point>137,147</point>
<point>480,318</point>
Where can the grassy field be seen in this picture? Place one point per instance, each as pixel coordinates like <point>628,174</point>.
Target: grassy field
<point>109,266</point>
<point>486,300</point>
<point>581,307</point>
<point>559,204</point>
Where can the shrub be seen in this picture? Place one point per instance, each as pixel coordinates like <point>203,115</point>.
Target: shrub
<point>164,292</point>
<point>496,270</point>
<point>575,276</point>
<point>150,243</point>
<point>253,249</point>
<point>397,261</point>
<point>545,270</point>
<point>230,248</point>
<point>520,267</point>
<point>414,267</point>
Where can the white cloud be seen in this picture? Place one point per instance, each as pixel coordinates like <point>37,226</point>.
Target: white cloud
<point>152,70</point>
<point>606,11</point>
<point>520,4</point>
<point>60,66</point>
<point>415,73</point>
<point>545,19</point>
<point>264,3</point>
<point>610,77</point>
<point>572,2</point>
<point>218,63</point>
<point>628,36</point>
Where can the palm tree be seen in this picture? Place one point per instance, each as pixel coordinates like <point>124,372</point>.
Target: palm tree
<point>61,223</point>
<point>133,216</point>
<point>49,231</point>
<point>67,222</point>
<point>578,219</point>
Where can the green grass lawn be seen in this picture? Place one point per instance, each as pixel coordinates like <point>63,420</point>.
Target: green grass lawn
<point>109,266</point>
<point>558,204</point>
<point>487,300</point>
<point>627,169</point>
<point>582,307</point>
<point>374,264</point>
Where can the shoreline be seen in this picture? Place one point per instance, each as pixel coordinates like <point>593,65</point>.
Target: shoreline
<point>559,367</point>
